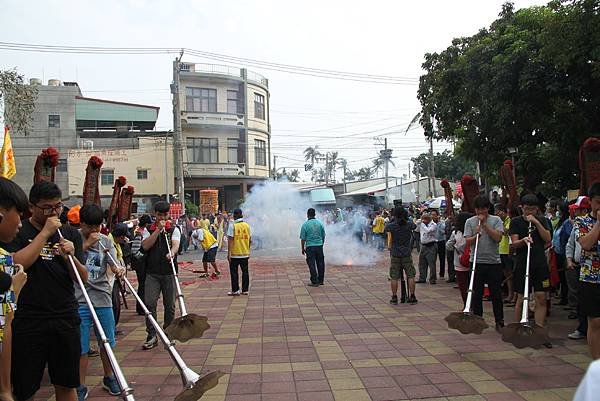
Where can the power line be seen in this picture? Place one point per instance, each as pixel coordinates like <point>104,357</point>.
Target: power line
<point>287,68</point>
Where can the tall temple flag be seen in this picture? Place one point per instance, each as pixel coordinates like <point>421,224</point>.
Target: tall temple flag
<point>7,157</point>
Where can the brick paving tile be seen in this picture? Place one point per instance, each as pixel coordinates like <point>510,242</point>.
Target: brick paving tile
<point>341,341</point>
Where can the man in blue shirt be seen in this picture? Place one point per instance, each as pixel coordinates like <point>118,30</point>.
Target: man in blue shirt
<point>312,237</point>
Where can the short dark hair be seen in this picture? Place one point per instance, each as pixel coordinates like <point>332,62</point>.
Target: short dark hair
<point>435,211</point>
<point>594,190</point>
<point>119,230</point>
<point>91,214</point>
<point>400,214</point>
<point>311,212</point>
<point>461,219</point>
<point>237,212</point>
<point>11,195</point>
<point>530,200</point>
<point>44,190</point>
<point>162,207</point>
<point>144,220</point>
<point>481,202</point>
<point>501,206</point>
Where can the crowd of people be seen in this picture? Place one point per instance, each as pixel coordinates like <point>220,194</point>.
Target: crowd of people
<point>46,320</point>
<point>45,316</point>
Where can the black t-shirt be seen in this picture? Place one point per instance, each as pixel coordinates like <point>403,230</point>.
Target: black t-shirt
<point>520,226</point>
<point>49,291</point>
<point>401,238</point>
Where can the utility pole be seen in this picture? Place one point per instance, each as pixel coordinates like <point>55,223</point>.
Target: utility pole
<point>327,169</point>
<point>387,187</point>
<point>166,168</point>
<point>274,167</point>
<point>177,135</point>
<point>432,167</point>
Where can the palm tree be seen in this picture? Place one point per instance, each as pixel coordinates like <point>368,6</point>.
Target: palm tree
<point>294,175</point>
<point>333,162</point>
<point>312,154</point>
<point>379,162</point>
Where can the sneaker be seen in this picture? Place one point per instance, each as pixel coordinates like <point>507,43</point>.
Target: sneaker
<point>451,280</point>
<point>150,343</point>
<point>111,385</point>
<point>499,326</point>
<point>394,300</point>
<point>313,284</point>
<point>432,282</point>
<point>576,335</point>
<point>82,392</point>
<point>420,281</point>
<point>547,345</point>
<point>412,299</point>
<point>214,276</point>
<point>244,292</point>
<point>234,293</point>
<point>93,352</point>
<point>218,273</point>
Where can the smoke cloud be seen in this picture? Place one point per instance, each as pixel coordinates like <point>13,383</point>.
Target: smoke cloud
<point>276,211</point>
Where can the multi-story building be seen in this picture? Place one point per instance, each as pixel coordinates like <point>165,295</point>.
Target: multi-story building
<point>226,130</point>
<point>79,127</point>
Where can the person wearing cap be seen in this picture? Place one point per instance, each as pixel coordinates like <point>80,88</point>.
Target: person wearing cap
<point>539,271</point>
<point>573,254</point>
<point>73,216</point>
<point>238,253</point>
<point>119,237</point>
<point>138,261</point>
<point>587,233</point>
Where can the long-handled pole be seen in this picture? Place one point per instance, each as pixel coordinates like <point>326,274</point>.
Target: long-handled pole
<point>472,279</point>
<point>188,376</point>
<point>525,312</point>
<point>182,307</point>
<point>126,391</point>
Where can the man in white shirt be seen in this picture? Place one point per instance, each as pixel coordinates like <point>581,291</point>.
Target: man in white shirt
<point>428,254</point>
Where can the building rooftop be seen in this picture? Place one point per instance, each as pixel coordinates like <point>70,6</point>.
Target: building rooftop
<point>223,70</point>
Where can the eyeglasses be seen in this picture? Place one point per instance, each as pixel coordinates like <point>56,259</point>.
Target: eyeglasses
<point>49,210</point>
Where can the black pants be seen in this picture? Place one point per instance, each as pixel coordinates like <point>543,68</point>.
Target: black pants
<point>155,284</point>
<point>581,316</point>
<point>561,265</point>
<point>441,250</point>
<point>140,272</point>
<point>242,263</point>
<point>116,300</point>
<point>315,259</point>
<point>450,263</point>
<point>493,275</point>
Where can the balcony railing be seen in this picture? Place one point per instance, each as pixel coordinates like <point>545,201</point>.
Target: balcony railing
<point>198,117</point>
<point>223,70</point>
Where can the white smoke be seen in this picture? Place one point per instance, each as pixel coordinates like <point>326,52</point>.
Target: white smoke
<point>276,211</point>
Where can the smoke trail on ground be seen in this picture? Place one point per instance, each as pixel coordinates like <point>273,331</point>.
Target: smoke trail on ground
<point>276,211</point>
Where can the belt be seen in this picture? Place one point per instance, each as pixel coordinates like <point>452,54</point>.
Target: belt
<point>429,243</point>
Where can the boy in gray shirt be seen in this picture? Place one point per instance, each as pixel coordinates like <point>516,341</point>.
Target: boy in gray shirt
<point>488,268</point>
<point>99,289</point>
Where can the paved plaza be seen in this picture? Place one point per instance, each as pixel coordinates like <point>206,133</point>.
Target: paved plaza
<point>342,341</point>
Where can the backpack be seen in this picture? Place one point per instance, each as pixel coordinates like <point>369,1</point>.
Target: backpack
<point>466,255</point>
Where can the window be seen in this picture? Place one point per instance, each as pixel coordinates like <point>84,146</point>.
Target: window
<point>259,106</point>
<point>203,150</point>
<point>201,99</point>
<point>232,150</point>
<point>53,121</point>
<point>107,177</point>
<point>142,174</point>
<point>61,166</point>
<point>232,102</point>
<point>260,152</point>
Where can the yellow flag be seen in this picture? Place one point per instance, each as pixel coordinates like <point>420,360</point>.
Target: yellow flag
<point>7,157</point>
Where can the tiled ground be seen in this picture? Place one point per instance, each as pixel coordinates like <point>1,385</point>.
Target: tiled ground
<point>342,342</point>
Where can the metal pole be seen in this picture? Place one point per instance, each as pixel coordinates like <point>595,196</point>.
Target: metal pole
<point>326,168</point>
<point>126,391</point>
<point>177,135</point>
<point>167,169</point>
<point>432,167</point>
<point>387,187</point>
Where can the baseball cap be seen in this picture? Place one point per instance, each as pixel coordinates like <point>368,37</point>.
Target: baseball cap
<point>73,214</point>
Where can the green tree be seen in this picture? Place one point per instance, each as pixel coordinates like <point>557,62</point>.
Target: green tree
<point>363,174</point>
<point>447,165</point>
<point>312,154</point>
<point>521,83</point>
<point>18,101</point>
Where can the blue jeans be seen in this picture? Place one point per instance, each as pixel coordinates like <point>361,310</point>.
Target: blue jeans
<point>316,263</point>
<point>107,321</point>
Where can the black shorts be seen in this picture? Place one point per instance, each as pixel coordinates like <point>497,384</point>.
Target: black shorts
<point>37,342</point>
<point>210,255</point>
<point>539,278</point>
<point>507,263</point>
<point>589,294</point>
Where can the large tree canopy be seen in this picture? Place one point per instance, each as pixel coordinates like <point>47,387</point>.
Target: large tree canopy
<point>447,165</point>
<point>530,81</point>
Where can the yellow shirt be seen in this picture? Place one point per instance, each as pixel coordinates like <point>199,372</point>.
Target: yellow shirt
<point>241,240</point>
<point>205,224</point>
<point>208,240</point>
<point>504,245</point>
<point>379,225</point>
